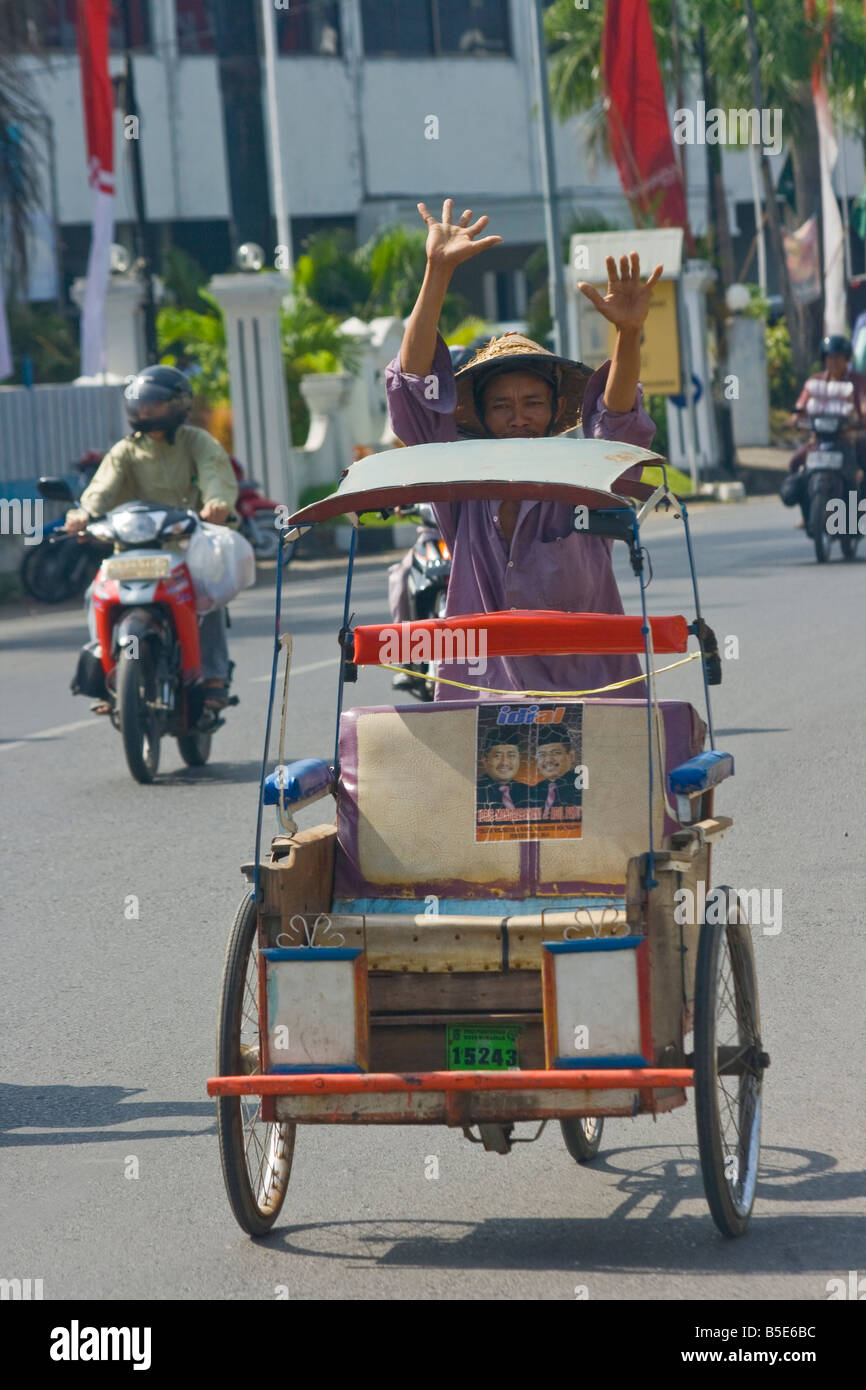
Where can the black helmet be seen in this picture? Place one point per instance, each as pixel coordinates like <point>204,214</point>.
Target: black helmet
<point>835,342</point>
<point>158,386</point>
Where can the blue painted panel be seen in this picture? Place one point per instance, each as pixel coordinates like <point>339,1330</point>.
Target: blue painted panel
<point>610,1063</point>
<point>593,943</point>
<point>310,954</point>
<point>471,907</point>
<point>314,1069</point>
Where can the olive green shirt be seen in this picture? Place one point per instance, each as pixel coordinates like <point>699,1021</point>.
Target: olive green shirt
<point>195,469</point>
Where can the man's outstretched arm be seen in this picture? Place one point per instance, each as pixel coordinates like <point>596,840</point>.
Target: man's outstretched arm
<point>448,245</point>
<point>625,305</point>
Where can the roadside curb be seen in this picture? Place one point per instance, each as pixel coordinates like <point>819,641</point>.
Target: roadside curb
<point>761,470</point>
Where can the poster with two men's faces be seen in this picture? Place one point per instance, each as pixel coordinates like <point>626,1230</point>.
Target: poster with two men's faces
<point>529,773</point>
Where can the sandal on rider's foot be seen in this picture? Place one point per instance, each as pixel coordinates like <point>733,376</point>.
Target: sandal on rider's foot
<point>216,695</point>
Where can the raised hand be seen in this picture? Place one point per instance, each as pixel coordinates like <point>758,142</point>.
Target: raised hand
<point>627,301</point>
<point>450,243</point>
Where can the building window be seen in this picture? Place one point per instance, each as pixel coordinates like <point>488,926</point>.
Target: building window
<point>58,25</point>
<point>476,27</point>
<point>309,28</point>
<point>195,27</point>
<point>397,27</point>
<point>435,28</point>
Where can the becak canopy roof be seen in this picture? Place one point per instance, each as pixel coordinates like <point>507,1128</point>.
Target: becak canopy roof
<point>584,472</point>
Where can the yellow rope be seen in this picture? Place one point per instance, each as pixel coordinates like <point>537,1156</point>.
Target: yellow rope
<point>542,694</point>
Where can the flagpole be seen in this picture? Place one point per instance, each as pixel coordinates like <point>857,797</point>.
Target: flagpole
<point>284,231</point>
<point>843,189</point>
<point>144,240</point>
<point>553,236</point>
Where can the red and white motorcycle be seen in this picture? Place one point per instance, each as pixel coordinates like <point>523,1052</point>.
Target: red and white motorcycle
<point>145,664</point>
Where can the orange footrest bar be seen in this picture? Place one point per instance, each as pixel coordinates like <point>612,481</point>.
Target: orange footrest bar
<point>353,1083</point>
<point>518,633</point>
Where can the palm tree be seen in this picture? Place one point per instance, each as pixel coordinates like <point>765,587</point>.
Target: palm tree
<point>788,44</point>
<point>20,117</point>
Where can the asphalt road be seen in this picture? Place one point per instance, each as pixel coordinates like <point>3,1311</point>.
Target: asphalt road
<point>109,1019</point>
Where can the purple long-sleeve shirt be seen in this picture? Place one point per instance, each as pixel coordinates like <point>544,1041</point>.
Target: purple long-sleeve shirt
<point>547,565</point>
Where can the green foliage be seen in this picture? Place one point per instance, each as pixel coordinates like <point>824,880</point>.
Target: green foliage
<point>395,260</point>
<point>467,329</point>
<point>23,176</point>
<point>184,280</point>
<point>574,41</point>
<point>187,339</point>
<point>656,407</point>
<point>783,384</point>
<point>314,493</point>
<point>37,331</point>
<point>784,387</point>
<point>310,338</point>
<point>331,274</point>
<point>848,61</point>
<point>312,342</point>
<point>679,483</point>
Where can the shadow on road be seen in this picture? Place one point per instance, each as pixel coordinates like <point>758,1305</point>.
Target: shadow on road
<point>732,733</point>
<point>85,1114</point>
<point>637,1235</point>
<point>212,773</point>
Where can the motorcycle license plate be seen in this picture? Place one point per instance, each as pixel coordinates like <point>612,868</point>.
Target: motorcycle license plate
<point>138,567</point>
<point>478,1047</point>
<point>824,458</point>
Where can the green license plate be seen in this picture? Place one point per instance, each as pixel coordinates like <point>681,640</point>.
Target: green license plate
<point>481,1048</point>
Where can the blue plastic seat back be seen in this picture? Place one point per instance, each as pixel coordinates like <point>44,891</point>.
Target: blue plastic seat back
<point>700,773</point>
<point>303,778</point>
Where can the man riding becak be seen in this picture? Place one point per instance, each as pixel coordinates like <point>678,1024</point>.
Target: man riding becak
<point>510,554</point>
<point>163,459</point>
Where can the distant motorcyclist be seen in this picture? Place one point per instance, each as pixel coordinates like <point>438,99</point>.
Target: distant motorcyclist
<point>163,459</point>
<point>836,363</point>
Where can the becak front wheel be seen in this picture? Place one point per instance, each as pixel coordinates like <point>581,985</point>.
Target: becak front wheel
<point>729,1066</point>
<point>256,1155</point>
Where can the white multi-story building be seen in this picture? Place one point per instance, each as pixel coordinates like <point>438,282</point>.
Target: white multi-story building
<point>381,103</point>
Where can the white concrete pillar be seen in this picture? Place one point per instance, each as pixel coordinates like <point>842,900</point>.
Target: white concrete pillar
<point>125,346</point>
<point>257,382</point>
<point>361,404</point>
<point>367,408</point>
<point>329,447</point>
<point>747,366</point>
<point>697,279</point>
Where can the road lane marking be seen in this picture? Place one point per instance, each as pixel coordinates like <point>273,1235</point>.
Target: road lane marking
<point>301,670</point>
<point>92,723</point>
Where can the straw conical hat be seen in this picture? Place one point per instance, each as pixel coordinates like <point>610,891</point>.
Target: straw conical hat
<point>515,353</point>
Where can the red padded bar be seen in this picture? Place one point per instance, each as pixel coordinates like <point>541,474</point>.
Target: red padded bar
<point>522,633</point>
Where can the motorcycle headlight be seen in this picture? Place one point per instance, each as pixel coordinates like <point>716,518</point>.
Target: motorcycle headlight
<point>134,527</point>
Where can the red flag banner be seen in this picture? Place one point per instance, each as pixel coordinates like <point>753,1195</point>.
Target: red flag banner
<point>98,96</point>
<point>640,133</point>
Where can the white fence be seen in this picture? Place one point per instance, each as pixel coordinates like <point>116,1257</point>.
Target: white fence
<point>46,430</point>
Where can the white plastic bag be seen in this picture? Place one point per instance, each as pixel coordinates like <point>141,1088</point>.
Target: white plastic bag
<point>221,562</point>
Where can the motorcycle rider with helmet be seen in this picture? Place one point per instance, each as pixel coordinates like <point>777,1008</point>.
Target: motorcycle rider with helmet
<point>164,459</point>
<point>836,364</point>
